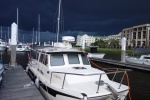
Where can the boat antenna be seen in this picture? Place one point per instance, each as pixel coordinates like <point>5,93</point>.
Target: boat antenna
<point>39,28</point>
<point>1,33</point>
<point>33,37</point>
<point>8,34</point>
<point>58,20</point>
<point>17,25</point>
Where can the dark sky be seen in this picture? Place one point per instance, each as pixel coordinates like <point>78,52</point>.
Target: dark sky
<point>103,17</point>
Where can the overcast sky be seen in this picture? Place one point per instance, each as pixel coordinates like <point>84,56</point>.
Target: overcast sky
<point>100,17</point>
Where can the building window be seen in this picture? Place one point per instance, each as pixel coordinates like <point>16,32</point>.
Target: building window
<point>144,34</point>
<point>140,28</point>
<point>134,35</point>
<point>139,35</point>
<point>138,43</point>
<point>135,29</point>
<point>144,28</point>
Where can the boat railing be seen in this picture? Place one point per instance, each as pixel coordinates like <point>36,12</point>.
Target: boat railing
<point>115,72</point>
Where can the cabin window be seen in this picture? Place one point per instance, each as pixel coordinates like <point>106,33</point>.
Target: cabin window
<point>146,57</point>
<point>73,59</point>
<point>37,55</point>
<point>41,58</point>
<point>57,60</point>
<point>85,60</point>
<point>45,60</point>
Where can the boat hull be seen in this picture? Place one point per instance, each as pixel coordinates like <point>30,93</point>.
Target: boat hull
<point>2,48</point>
<point>62,96</point>
<point>137,61</point>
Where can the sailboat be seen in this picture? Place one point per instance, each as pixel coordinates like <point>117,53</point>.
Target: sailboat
<point>65,73</point>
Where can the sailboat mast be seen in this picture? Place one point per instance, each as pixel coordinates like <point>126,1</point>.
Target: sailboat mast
<point>17,24</point>
<point>8,34</point>
<point>33,37</point>
<point>36,37</point>
<point>58,20</point>
<point>39,29</point>
<point>1,33</point>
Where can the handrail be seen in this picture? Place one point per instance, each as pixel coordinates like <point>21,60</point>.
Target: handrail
<point>119,70</point>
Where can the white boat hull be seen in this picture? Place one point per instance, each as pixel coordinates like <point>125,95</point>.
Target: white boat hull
<point>137,61</point>
<point>2,48</point>
<point>96,55</point>
<point>62,96</point>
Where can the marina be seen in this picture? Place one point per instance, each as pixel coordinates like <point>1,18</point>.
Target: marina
<point>139,79</point>
<point>70,65</point>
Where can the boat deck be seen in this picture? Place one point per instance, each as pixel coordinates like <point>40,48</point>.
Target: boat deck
<point>123,64</point>
<point>18,86</point>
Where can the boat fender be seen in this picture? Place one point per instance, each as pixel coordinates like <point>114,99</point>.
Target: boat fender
<point>84,96</point>
<point>37,82</point>
<point>27,69</point>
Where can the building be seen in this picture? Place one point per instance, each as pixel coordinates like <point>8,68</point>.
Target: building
<point>88,40</point>
<point>92,39</point>
<point>137,36</point>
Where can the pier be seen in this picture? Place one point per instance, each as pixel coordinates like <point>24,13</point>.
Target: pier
<point>123,64</point>
<point>18,86</point>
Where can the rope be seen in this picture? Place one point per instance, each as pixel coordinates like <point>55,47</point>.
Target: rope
<point>128,85</point>
<point>28,85</point>
<point>105,69</point>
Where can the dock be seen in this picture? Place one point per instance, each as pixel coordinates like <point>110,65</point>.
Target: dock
<point>122,64</point>
<point>18,86</point>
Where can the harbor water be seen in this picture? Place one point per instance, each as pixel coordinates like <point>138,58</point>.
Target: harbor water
<point>139,79</point>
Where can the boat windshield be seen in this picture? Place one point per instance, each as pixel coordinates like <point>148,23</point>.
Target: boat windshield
<point>19,46</point>
<point>57,60</point>
<point>73,59</point>
<point>85,60</point>
<point>146,57</point>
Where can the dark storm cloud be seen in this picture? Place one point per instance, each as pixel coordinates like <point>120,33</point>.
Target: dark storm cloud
<point>100,17</point>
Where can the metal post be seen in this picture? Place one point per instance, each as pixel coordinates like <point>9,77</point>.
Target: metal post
<point>99,83</point>
<point>122,80</point>
<point>64,81</point>
<point>114,75</point>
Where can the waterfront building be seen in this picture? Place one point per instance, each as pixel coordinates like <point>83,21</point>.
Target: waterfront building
<point>88,40</point>
<point>92,39</point>
<point>137,36</point>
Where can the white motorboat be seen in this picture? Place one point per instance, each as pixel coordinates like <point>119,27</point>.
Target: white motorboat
<point>96,55</point>
<point>22,47</point>
<point>3,45</point>
<point>144,59</point>
<point>64,73</point>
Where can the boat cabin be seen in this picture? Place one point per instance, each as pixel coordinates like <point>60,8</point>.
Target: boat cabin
<point>57,58</point>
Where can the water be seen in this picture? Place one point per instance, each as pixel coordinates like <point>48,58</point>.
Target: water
<point>139,80</point>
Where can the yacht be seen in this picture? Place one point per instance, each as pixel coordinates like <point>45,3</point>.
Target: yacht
<point>64,73</point>
<point>22,47</point>
<point>3,45</point>
<point>144,59</point>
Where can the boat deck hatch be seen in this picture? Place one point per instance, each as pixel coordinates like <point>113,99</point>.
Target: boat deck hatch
<point>79,67</point>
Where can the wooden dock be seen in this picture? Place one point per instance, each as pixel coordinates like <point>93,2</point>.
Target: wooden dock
<point>18,86</point>
<point>123,64</point>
